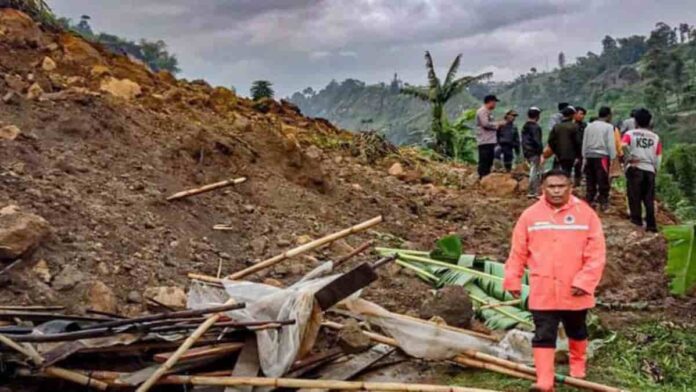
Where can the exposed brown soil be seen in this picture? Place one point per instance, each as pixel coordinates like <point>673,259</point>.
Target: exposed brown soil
<point>98,169</point>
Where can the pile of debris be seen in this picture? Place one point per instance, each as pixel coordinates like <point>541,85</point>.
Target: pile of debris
<point>235,330</point>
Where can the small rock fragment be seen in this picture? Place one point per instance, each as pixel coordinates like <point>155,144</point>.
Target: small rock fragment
<point>34,92</point>
<point>100,297</point>
<point>396,170</point>
<point>68,278</point>
<point>48,64</point>
<point>9,132</point>
<point>134,297</point>
<point>171,296</point>
<point>351,338</point>
<point>19,232</point>
<point>42,271</point>
<point>11,98</point>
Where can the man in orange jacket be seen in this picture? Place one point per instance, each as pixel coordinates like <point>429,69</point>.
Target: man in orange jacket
<point>560,240</point>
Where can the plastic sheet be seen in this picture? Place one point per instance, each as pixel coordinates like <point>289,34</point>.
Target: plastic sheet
<point>279,348</point>
<point>422,339</point>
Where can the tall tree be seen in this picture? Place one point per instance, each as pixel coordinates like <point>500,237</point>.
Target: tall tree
<point>261,89</point>
<point>438,93</point>
<point>561,60</point>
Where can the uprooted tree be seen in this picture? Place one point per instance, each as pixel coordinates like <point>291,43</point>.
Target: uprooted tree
<point>437,94</point>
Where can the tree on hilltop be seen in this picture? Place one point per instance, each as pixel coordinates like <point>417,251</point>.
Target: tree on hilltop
<point>261,89</point>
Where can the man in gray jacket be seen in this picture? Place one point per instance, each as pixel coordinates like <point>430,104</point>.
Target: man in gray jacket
<point>486,135</point>
<point>599,149</point>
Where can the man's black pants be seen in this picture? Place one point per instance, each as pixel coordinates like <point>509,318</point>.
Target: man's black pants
<point>486,156</point>
<point>640,187</point>
<point>546,326</point>
<point>504,152</point>
<point>577,172</point>
<point>597,176</point>
<point>565,164</point>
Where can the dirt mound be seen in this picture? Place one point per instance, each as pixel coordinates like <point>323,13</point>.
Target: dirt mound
<point>98,168</point>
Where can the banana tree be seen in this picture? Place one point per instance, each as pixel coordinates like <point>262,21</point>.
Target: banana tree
<point>438,93</point>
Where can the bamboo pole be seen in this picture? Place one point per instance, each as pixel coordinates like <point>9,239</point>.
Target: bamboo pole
<point>200,352</point>
<point>499,304</point>
<point>464,359</point>
<point>296,383</point>
<point>32,308</point>
<point>306,247</point>
<point>205,326</point>
<point>206,188</point>
<point>291,253</point>
<point>53,370</point>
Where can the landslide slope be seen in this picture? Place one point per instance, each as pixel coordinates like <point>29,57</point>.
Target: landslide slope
<point>104,141</point>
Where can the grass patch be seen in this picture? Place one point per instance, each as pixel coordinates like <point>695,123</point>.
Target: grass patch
<point>657,356</point>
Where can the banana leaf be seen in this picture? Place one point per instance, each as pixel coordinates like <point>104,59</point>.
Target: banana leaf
<point>448,248</point>
<point>681,258</point>
<point>503,317</point>
<point>495,289</point>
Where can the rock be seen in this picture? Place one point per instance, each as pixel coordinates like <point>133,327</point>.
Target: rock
<point>68,278</point>
<point>99,70</point>
<point>258,245</point>
<point>396,170</point>
<point>52,47</point>
<point>15,82</point>
<point>282,242</point>
<point>9,132</point>
<point>499,184</point>
<point>48,64</point>
<point>42,271</point>
<point>35,92</point>
<point>303,239</point>
<point>18,28</point>
<point>103,269</point>
<point>77,50</point>
<point>100,297</point>
<point>11,98</point>
<point>523,185</point>
<point>351,338</point>
<point>452,304</point>
<point>122,88</point>
<point>313,152</point>
<point>134,297</point>
<point>273,282</point>
<point>171,296</point>
<point>249,208</point>
<point>19,232</point>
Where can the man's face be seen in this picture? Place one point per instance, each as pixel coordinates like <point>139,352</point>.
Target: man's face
<point>510,118</point>
<point>557,190</point>
<point>491,105</point>
<point>579,116</point>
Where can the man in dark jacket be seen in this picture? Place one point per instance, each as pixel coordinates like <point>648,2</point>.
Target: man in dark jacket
<point>508,139</point>
<point>564,142</point>
<point>533,148</point>
<point>579,119</point>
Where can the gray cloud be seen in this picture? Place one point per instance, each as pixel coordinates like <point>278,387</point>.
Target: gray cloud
<point>297,43</point>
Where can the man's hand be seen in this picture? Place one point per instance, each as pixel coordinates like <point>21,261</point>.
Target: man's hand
<point>515,293</point>
<point>577,292</point>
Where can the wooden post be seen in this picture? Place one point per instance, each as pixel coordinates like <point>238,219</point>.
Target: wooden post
<point>206,188</point>
<point>205,326</point>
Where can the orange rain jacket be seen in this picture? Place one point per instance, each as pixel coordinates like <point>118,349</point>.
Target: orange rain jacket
<point>563,248</point>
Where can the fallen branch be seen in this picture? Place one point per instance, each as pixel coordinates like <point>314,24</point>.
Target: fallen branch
<point>354,252</point>
<point>206,188</point>
<point>162,370</point>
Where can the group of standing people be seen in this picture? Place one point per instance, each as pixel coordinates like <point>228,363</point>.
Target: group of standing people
<point>596,152</point>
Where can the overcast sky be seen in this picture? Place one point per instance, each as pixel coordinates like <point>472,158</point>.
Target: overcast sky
<point>300,43</point>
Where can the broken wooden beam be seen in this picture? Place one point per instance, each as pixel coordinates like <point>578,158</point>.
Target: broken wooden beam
<point>206,188</point>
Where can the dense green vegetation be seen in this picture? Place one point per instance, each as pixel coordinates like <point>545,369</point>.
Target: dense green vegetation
<point>152,53</point>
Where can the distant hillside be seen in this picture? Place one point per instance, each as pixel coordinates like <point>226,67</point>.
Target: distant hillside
<point>356,106</point>
<point>657,72</point>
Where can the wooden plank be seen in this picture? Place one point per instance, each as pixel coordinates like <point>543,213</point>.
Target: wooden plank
<point>247,364</point>
<point>345,285</point>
